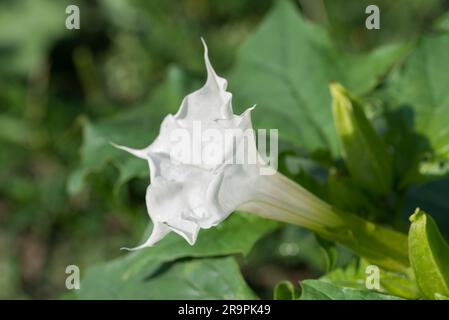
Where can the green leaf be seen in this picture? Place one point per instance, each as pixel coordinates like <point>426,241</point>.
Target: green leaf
<point>399,284</point>
<point>237,234</point>
<point>354,275</point>
<point>440,297</point>
<point>284,290</point>
<point>126,277</point>
<point>418,96</point>
<point>429,256</point>
<point>322,290</point>
<point>364,152</point>
<point>200,279</point>
<point>330,252</point>
<point>285,68</point>
<point>135,128</point>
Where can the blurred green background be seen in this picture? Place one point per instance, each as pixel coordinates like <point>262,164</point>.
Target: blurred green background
<point>53,81</point>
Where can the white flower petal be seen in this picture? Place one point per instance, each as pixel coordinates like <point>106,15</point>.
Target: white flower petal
<point>160,230</point>
<point>185,196</point>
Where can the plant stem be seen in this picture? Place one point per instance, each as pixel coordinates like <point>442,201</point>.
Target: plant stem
<point>281,199</point>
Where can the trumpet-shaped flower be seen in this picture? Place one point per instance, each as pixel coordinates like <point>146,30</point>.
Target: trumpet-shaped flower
<point>197,182</point>
<point>200,190</point>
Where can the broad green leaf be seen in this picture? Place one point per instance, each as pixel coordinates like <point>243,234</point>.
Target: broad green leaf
<point>285,68</point>
<point>418,97</point>
<point>136,127</point>
<point>364,152</point>
<point>199,279</point>
<point>429,256</point>
<point>121,277</point>
<point>284,290</point>
<point>322,290</point>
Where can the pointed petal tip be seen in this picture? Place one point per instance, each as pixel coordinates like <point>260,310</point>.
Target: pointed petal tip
<point>118,146</point>
<point>206,51</point>
<point>204,43</point>
<point>191,240</point>
<point>142,246</point>
<point>247,111</point>
<point>136,152</point>
<point>115,145</point>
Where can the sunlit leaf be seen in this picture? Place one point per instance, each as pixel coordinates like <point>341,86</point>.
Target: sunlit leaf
<point>125,277</point>
<point>429,256</point>
<point>419,103</point>
<point>285,68</point>
<point>200,279</point>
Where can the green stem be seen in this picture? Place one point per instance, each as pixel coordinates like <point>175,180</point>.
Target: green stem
<point>281,199</point>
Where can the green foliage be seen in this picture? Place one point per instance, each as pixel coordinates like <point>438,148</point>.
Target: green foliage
<point>429,256</point>
<point>418,94</point>
<point>442,23</point>
<point>330,252</point>
<point>41,24</point>
<point>345,195</point>
<point>171,265</point>
<point>68,197</point>
<point>354,275</point>
<point>140,125</point>
<point>285,67</point>
<point>285,290</point>
<point>322,290</point>
<point>212,278</point>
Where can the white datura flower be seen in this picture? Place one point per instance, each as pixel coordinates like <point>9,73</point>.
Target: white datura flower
<point>204,165</point>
